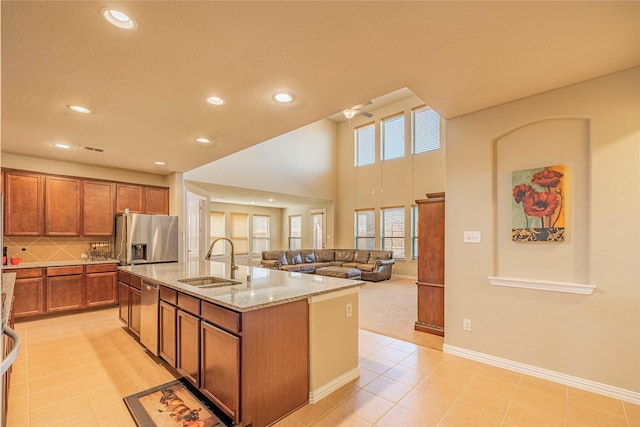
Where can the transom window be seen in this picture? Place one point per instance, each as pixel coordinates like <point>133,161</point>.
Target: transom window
<point>426,130</point>
<point>393,137</point>
<point>365,145</point>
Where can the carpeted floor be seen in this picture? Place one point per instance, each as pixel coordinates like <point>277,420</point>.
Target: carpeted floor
<point>390,308</point>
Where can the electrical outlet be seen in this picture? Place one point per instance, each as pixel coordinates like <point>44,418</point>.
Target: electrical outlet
<point>466,325</point>
<point>349,310</point>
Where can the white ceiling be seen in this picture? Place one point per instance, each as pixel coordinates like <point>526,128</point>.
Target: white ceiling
<point>148,87</point>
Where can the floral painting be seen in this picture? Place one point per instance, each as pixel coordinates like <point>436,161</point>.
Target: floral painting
<point>538,204</point>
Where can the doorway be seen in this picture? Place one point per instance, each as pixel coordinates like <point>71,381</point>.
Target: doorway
<point>318,233</point>
<point>194,235</point>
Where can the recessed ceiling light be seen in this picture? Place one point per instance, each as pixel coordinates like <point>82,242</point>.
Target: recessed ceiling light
<point>283,97</point>
<point>203,140</point>
<point>119,19</point>
<point>160,163</point>
<point>79,109</point>
<point>62,146</point>
<point>215,100</point>
<point>271,200</point>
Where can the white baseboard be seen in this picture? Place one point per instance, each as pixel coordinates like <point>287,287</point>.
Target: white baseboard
<point>581,383</point>
<point>320,393</point>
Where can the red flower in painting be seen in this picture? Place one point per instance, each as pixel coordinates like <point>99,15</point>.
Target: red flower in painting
<point>547,178</point>
<point>520,192</point>
<point>540,204</point>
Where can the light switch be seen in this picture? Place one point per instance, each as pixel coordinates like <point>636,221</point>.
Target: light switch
<point>472,237</point>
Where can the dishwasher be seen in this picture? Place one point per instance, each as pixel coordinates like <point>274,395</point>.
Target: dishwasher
<point>149,316</point>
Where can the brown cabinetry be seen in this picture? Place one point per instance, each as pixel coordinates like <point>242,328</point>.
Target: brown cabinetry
<point>62,206</point>
<point>37,204</point>
<point>431,264</point>
<point>24,204</point>
<point>29,292</point>
<point>129,197</point>
<point>135,304</point>
<point>156,200</point>
<point>188,346</point>
<point>64,288</point>
<point>220,368</point>
<point>101,285</point>
<point>167,331</point>
<point>98,208</point>
<point>123,296</point>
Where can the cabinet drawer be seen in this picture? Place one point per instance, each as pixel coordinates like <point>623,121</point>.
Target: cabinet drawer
<point>189,303</point>
<point>220,316</point>
<point>100,268</point>
<point>64,271</point>
<point>135,282</point>
<point>25,273</point>
<point>168,295</point>
<point>123,277</point>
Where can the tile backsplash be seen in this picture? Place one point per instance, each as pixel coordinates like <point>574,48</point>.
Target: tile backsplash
<point>40,249</point>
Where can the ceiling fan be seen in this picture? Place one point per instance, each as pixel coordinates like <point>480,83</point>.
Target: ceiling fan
<point>350,113</point>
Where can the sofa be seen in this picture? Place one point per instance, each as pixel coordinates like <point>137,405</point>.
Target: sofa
<point>374,266</point>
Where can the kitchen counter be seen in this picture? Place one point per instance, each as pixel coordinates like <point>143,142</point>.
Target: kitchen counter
<point>8,282</point>
<point>259,287</point>
<point>45,264</point>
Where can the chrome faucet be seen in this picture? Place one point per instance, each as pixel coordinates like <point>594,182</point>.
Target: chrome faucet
<point>234,267</point>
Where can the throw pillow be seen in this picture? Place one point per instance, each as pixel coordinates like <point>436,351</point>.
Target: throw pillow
<point>308,256</point>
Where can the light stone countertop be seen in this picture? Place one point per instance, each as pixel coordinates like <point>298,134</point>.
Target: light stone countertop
<point>45,264</point>
<point>265,288</point>
<point>8,282</point>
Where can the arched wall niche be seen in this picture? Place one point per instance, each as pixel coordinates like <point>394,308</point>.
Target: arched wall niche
<point>557,141</point>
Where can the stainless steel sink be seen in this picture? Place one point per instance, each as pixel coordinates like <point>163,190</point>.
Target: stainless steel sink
<point>208,282</point>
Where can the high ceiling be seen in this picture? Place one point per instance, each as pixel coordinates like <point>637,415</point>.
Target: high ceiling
<point>147,88</point>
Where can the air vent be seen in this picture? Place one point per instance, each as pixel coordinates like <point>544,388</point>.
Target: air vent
<point>99,150</point>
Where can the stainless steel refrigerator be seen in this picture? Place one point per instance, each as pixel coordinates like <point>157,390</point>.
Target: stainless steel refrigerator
<point>143,239</point>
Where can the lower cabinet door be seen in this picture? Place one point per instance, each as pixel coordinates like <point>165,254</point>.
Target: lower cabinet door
<point>135,303</point>
<point>123,298</point>
<point>28,297</point>
<point>168,333</point>
<point>188,342</point>
<point>101,289</point>
<point>64,293</point>
<point>220,368</point>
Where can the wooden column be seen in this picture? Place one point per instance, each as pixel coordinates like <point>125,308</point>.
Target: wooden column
<point>431,264</point>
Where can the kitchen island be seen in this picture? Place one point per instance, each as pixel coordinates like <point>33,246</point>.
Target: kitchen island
<point>261,346</point>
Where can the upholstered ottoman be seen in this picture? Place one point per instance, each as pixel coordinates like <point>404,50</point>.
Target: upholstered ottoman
<point>341,272</point>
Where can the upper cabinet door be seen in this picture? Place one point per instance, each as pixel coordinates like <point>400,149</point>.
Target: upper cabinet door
<point>156,200</point>
<point>24,199</point>
<point>62,206</point>
<point>98,208</point>
<point>129,197</point>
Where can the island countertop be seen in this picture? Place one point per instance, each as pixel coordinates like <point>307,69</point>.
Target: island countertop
<point>259,287</point>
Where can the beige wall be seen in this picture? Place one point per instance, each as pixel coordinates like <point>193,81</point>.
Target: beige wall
<point>397,182</point>
<point>75,169</point>
<point>595,337</point>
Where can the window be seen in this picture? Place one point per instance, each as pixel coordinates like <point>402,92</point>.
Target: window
<point>366,145</point>
<point>295,232</point>
<point>365,228</point>
<point>216,229</point>
<point>392,234</point>
<point>426,130</point>
<point>240,232</point>
<point>414,232</point>
<point>317,229</point>
<point>393,137</point>
<point>260,233</point>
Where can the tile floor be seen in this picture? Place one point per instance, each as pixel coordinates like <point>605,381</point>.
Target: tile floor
<point>74,371</point>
